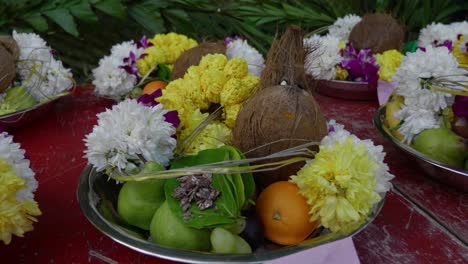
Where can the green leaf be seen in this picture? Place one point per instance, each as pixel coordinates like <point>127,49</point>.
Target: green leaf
<point>227,211</point>
<point>163,73</point>
<point>64,19</point>
<point>38,22</point>
<point>83,12</point>
<point>148,16</point>
<point>112,7</point>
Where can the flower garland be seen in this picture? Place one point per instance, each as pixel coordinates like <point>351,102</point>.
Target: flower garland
<point>342,27</point>
<point>422,107</point>
<point>438,34</point>
<point>18,209</point>
<point>240,48</point>
<point>42,75</point>
<point>342,190</point>
<point>216,80</point>
<point>130,134</point>
<point>129,62</point>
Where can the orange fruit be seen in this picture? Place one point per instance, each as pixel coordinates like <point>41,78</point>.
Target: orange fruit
<point>284,213</point>
<point>152,86</point>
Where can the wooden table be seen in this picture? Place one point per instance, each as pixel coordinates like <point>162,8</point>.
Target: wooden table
<point>422,221</point>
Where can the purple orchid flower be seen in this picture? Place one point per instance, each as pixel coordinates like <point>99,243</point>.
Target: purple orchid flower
<point>228,40</point>
<point>448,44</point>
<point>460,106</point>
<point>144,43</point>
<point>361,66</point>
<point>130,65</point>
<point>149,100</point>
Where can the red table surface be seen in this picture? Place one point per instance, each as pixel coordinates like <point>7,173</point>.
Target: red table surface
<point>422,221</point>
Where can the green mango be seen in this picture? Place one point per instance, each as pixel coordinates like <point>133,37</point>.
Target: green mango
<point>139,200</point>
<point>168,230</point>
<point>441,144</point>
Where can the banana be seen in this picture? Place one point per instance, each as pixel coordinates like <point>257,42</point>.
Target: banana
<point>391,122</point>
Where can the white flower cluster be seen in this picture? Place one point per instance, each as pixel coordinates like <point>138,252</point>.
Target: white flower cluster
<point>340,134</point>
<point>109,78</point>
<point>323,57</point>
<point>14,155</point>
<point>128,132</point>
<point>343,26</point>
<point>437,33</point>
<point>422,106</point>
<point>241,49</point>
<point>42,75</point>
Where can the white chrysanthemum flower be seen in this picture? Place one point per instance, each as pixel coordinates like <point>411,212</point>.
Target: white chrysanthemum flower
<point>14,155</point>
<point>128,132</point>
<point>109,78</point>
<point>433,63</point>
<point>343,26</point>
<point>42,75</point>
<point>241,49</point>
<point>324,56</point>
<point>339,134</point>
<point>437,33</point>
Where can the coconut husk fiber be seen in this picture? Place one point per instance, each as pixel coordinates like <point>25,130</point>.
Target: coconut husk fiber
<point>9,53</point>
<point>194,55</point>
<point>282,111</point>
<point>379,32</point>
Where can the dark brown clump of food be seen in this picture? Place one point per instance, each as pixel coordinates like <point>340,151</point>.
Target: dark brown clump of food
<point>9,53</point>
<point>379,32</point>
<point>194,55</point>
<point>198,189</point>
<point>282,109</point>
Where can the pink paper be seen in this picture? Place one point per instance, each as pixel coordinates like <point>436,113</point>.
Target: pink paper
<point>337,252</point>
<point>384,90</point>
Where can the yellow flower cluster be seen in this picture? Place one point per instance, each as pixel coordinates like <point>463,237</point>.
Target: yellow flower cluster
<point>16,217</point>
<point>165,50</point>
<point>216,80</point>
<point>459,53</point>
<point>339,185</point>
<point>389,61</point>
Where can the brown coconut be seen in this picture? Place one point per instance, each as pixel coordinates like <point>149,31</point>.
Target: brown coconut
<point>280,111</point>
<point>379,32</point>
<point>9,53</point>
<point>194,55</point>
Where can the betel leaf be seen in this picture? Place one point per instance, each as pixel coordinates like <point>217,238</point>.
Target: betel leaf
<point>228,209</point>
<point>249,182</point>
<point>236,179</point>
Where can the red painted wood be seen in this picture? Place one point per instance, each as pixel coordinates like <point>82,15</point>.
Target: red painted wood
<point>447,205</point>
<point>55,146</point>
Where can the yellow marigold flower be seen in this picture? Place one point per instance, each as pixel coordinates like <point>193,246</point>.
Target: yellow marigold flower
<point>214,135</point>
<point>389,62</point>
<point>339,185</point>
<point>216,80</point>
<point>459,51</point>
<point>16,217</point>
<point>236,68</point>
<point>340,73</point>
<point>230,114</point>
<point>165,50</point>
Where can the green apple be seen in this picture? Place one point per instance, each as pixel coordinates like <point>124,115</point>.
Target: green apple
<point>168,230</point>
<point>139,200</point>
<point>224,242</point>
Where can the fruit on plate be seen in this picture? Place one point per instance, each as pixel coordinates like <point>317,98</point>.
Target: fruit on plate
<point>16,99</point>
<point>168,230</point>
<point>391,122</point>
<point>139,200</point>
<point>442,144</point>
<point>284,213</point>
<point>225,242</point>
<point>152,86</point>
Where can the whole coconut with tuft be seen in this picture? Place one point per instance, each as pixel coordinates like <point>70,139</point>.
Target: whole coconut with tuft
<point>9,53</point>
<point>282,111</point>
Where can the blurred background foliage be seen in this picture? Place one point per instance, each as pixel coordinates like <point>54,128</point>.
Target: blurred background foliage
<point>82,31</point>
